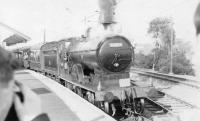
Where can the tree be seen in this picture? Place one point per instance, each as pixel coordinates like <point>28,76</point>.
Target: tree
<point>161,28</point>
<point>181,63</point>
<point>143,61</point>
<point>163,33</point>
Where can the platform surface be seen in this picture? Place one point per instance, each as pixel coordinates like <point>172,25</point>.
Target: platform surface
<point>60,103</point>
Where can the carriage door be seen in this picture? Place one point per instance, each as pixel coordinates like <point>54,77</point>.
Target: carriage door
<point>66,58</point>
<point>60,59</point>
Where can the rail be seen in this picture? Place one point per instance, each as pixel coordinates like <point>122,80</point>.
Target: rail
<point>192,82</point>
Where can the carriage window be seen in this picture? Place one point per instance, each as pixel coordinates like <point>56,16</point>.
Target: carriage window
<point>25,55</point>
<point>67,44</point>
<point>32,56</point>
<point>37,56</point>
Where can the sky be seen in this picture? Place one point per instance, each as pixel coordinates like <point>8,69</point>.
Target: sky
<point>64,18</point>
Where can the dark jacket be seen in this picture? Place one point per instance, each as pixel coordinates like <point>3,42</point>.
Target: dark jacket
<point>12,116</point>
<point>41,117</point>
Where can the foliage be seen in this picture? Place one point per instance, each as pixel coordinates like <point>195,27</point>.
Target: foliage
<point>181,64</point>
<point>161,28</point>
<point>143,61</point>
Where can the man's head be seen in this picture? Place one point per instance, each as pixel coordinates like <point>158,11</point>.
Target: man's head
<point>6,70</point>
<point>196,55</point>
<point>197,20</point>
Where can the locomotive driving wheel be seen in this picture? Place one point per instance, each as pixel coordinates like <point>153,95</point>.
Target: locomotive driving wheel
<point>139,106</point>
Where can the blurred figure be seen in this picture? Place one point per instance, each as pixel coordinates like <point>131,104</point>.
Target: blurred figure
<point>197,43</point>
<point>194,114</point>
<point>17,102</point>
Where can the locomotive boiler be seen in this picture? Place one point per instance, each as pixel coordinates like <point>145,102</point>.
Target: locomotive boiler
<point>105,56</point>
<point>111,54</point>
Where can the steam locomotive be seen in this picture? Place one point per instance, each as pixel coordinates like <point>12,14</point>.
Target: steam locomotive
<point>96,68</point>
<point>96,65</point>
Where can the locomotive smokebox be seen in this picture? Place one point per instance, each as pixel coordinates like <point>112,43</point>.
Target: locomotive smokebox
<point>115,54</point>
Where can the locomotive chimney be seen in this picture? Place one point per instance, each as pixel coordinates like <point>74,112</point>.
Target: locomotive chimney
<point>107,11</point>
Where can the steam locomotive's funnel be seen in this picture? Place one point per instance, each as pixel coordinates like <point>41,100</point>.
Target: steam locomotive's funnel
<point>107,8</point>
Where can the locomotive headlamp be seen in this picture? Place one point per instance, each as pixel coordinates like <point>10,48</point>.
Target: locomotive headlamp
<point>116,64</point>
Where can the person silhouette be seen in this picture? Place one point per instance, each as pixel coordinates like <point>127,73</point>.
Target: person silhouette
<point>17,102</point>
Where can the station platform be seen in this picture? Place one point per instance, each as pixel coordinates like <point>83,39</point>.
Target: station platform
<point>60,103</point>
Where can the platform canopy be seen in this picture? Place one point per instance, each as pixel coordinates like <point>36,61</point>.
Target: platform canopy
<point>14,39</point>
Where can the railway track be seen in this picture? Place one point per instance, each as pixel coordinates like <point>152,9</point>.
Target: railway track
<point>194,83</point>
<point>173,104</point>
<point>163,108</point>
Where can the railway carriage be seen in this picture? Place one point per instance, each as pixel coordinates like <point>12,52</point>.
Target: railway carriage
<point>34,57</point>
<point>22,54</point>
<point>49,59</point>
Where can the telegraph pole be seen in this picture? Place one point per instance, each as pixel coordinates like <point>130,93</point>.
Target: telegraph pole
<point>171,50</point>
<point>154,54</point>
<point>44,36</point>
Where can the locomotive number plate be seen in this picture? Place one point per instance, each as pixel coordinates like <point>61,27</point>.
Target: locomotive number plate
<point>115,44</point>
